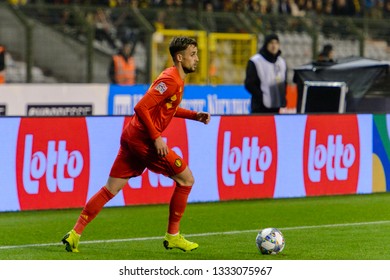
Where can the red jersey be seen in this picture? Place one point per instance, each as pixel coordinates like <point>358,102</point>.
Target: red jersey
<point>160,104</point>
<point>153,114</point>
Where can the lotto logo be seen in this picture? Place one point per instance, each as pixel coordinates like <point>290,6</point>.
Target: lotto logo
<point>250,160</point>
<point>52,163</point>
<point>335,157</point>
<point>247,158</point>
<point>331,155</point>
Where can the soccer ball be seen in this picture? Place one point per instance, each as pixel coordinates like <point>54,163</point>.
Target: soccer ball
<point>270,241</point>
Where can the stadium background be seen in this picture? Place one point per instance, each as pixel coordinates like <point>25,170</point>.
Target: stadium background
<point>57,65</point>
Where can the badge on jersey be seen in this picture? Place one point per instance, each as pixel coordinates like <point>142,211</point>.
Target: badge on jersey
<point>161,87</point>
<point>178,162</point>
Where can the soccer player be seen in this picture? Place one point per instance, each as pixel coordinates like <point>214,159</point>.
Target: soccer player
<point>141,146</point>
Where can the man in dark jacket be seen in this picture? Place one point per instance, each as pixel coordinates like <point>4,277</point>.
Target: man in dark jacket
<point>266,77</point>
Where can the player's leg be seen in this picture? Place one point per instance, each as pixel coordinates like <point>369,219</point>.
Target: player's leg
<point>175,167</point>
<point>124,167</point>
<point>94,205</point>
<point>173,238</point>
<point>97,202</point>
<point>184,182</point>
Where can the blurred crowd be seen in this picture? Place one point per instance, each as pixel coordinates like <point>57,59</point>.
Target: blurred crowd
<point>377,9</point>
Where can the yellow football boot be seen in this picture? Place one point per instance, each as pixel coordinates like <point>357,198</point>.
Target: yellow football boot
<point>179,242</point>
<point>71,240</point>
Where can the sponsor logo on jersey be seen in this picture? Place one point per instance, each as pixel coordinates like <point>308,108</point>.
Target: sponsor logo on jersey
<point>247,157</point>
<point>331,155</point>
<point>157,188</point>
<point>52,168</point>
<point>161,87</point>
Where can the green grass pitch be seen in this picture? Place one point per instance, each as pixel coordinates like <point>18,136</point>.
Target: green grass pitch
<point>353,227</point>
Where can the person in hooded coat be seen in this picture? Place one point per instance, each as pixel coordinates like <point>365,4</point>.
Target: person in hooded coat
<point>266,77</point>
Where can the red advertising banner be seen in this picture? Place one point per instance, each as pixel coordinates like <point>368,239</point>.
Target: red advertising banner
<point>52,163</point>
<point>247,157</point>
<point>331,154</point>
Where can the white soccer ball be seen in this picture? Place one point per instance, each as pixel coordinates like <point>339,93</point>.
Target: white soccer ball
<point>270,241</point>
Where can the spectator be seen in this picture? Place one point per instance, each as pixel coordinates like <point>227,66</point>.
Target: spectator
<point>266,77</point>
<point>294,8</point>
<point>386,11</point>
<point>377,10</point>
<point>319,7</point>
<point>273,6</point>
<point>284,7</point>
<point>2,64</point>
<point>327,54</point>
<point>343,8</point>
<point>18,2</point>
<point>328,7</point>
<point>122,67</point>
<point>209,19</point>
<point>105,30</point>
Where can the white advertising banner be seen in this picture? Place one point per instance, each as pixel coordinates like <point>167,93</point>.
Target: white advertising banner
<point>54,99</point>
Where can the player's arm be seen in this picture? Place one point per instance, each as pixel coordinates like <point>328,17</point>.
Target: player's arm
<point>203,117</point>
<point>193,115</point>
<point>142,110</point>
<point>157,93</point>
<point>185,114</point>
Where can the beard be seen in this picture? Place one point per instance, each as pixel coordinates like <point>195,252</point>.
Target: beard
<point>188,70</point>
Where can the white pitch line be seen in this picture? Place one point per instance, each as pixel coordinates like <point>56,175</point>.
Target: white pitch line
<point>196,234</point>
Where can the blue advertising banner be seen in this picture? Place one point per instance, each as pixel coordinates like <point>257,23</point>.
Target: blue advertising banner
<point>217,100</point>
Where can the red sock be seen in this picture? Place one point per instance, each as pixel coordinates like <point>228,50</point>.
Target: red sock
<point>92,208</point>
<point>177,207</point>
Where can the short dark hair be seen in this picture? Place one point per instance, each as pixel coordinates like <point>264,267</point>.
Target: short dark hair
<point>179,44</point>
<point>327,49</point>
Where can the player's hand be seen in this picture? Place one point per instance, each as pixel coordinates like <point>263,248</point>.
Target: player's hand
<point>161,147</point>
<point>203,117</point>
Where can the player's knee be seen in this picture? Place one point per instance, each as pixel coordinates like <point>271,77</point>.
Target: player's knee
<point>188,181</point>
<point>114,185</point>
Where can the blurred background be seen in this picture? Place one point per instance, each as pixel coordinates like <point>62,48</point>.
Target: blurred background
<point>72,41</point>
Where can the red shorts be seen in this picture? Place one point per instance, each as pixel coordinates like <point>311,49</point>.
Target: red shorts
<point>137,153</point>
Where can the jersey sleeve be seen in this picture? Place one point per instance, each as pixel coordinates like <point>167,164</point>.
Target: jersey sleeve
<point>142,111</point>
<point>156,95</point>
<point>185,114</point>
